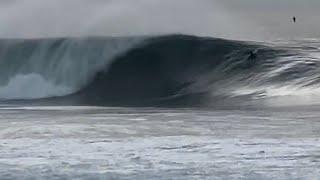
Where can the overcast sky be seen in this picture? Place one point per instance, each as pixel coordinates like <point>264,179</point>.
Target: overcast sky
<point>241,19</point>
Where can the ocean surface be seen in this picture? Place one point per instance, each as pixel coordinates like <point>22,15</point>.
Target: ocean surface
<point>159,107</point>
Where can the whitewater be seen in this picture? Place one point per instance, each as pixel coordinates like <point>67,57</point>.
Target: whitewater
<point>159,107</point>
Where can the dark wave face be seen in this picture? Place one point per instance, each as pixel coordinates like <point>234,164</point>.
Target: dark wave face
<point>165,69</point>
<point>155,71</point>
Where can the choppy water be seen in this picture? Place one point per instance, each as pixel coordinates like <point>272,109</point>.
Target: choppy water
<point>65,142</point>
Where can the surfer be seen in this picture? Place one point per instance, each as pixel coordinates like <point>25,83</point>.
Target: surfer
<point>251,59</point>
<point>252,55</point>
<point>294,19</point>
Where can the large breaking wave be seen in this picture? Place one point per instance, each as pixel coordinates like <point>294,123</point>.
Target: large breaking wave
<point>174,69</point>
<point>54,67</point>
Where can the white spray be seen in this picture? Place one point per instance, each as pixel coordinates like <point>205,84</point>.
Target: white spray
<point>44,18</point>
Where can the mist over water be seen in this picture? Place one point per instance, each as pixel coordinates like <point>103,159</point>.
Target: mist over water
<point>246,19</point>
<point>38,18</point>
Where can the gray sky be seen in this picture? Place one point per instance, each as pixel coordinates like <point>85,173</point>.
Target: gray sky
<point>240,19</point>
<point>273,17</point>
